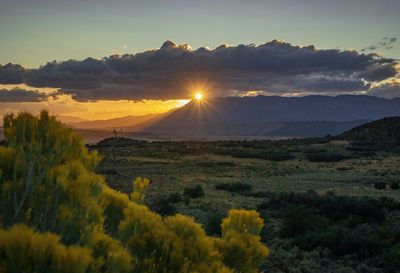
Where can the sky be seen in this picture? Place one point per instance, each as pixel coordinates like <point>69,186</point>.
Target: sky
<point>346,36</point>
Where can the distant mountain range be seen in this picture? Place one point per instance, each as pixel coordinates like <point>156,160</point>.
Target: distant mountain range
<point>127,122</point>
<point>274,116</point>
<point>248,117</point>
<point>253,118</point>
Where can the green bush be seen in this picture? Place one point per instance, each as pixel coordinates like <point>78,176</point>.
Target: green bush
<point>395,186</point>
<point>213,225</point>
<point>234,187</point>
<point>339,230</point>
<point>194,192</point>
<point>325,157</point>
<point>259,154</point>
<point>165,205</point>
<point>380,185</point>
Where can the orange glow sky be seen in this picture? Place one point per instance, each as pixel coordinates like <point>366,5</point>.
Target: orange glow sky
<point>64,105</point>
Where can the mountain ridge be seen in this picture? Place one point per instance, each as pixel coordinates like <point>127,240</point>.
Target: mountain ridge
<point>269,115</point>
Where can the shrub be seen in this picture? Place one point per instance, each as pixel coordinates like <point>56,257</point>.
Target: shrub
<point>194,192</point>
<point>325,157</point>
<point>139,189</point>
<point>240,244</point>
<point>174,197</point>
<point>24,250</point>
<point>391,259</point>
<point>109,255</point>
<point>234,187</point>
<point>260,154</point>
<point>48,184</point>
<point>206,164</point>
<point>380,185</point>
<point>48,180</point>
<point>395,186</point>
<point>114,204</point>
<point>213,225</point>
<point>276,155</point>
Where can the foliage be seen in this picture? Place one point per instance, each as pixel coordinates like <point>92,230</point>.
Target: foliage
<point>194,192</point>
<point>213,224</point>
<point>395,186</point>
<point>260,154</point>
<point>60,216</point>
<point>325,157</point>
<point>383,133</point>
<point>119,142</point>
<point>47,179</point>
<point>380,185</point>
<point>114,204</point>
<point>234,187</point>
<point>337,229</point>
<point>139,188</point>
<point>240,244</point>
<point>24,250</point>
<point>109,255</point>
<point>362,231</point>
<point>165,205</point>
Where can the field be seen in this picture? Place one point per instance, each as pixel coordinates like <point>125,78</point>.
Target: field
<point>172,166</point>
<point>290,182</point>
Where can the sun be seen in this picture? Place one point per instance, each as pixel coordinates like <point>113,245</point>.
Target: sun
<point>198,96</point>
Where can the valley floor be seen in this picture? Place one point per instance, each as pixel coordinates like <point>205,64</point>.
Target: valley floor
<point>205,179</point>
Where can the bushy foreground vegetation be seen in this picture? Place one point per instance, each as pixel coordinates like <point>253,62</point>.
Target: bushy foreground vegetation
<point>349,234</point>
<point>333,207</point>
<point>58,215</point>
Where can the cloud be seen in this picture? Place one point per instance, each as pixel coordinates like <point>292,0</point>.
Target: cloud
<point>11,74</point>
<point>380,72</point>
<point>387,90</point>
<point>21,95</point>
<point>169,72</point>
<point>386,43</point>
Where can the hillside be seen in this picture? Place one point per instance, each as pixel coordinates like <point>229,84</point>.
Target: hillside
<point>384,131</point>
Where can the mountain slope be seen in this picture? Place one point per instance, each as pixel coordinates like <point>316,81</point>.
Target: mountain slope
<point>384,131</point>
<point>127,121</point>
<point>274,116</point>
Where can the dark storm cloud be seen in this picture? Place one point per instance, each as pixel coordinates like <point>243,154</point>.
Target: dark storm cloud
<point>21,95</point>
<point>167,73</point>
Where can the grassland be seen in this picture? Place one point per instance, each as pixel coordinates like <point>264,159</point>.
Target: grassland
<point>318,197</point>
<point>173,166</point>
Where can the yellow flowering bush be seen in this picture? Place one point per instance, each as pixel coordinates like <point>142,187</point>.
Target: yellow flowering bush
<point>24,250</point>
<point>240,244</point>
<point>58,215</point>
<point>139,189</point>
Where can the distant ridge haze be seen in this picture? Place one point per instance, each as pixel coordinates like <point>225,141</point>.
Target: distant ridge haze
<point>275,116</point>
<point>248,117</point>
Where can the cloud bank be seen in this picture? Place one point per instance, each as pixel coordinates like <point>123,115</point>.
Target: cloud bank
<point>22,95</point>
<point>275,67</point>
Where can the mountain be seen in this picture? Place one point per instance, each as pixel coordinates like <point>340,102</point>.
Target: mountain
<point>273,116</point>
<point>127,122</point>
<point>382,132</point>
<point>69,119</point>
